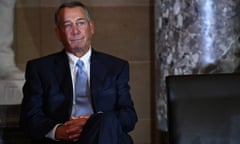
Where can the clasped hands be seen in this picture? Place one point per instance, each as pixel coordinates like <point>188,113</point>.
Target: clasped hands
<point>72,129</point>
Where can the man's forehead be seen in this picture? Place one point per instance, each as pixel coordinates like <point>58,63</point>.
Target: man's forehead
<point>75,20</point>
<point>72,11</point>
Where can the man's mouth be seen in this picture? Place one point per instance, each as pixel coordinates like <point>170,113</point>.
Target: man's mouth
<point>76,38</point>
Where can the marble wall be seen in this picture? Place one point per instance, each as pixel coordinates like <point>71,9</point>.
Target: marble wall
<point>194,37</point>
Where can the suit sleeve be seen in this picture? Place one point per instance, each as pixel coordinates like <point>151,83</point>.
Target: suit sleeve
<point>32,119</point>
<point>126,112</point>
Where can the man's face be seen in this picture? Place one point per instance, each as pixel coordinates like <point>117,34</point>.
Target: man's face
<point>74,30</point>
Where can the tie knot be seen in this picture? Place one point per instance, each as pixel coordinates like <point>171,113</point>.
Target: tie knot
<point>79,64</point>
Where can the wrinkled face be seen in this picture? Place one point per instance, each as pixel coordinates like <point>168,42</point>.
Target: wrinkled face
<point>74,30</point>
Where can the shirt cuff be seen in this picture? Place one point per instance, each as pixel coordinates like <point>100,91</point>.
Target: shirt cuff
<point>51,133</point>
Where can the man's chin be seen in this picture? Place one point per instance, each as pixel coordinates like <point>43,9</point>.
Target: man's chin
<point>78,50</point>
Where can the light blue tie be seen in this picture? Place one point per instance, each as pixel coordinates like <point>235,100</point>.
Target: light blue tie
<point>82,92</point>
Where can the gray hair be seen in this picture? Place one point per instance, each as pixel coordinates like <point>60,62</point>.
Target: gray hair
<point>71,4</point>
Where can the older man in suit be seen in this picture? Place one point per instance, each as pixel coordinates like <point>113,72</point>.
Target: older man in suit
<point>51,111</point>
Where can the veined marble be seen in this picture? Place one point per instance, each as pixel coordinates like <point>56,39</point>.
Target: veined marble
<point>194,37</point>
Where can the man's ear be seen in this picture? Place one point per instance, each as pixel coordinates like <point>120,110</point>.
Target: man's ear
<point>92,27</point>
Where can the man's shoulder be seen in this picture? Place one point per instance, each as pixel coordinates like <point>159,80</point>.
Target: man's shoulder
<point>47,58</point>
<point>102,56</point>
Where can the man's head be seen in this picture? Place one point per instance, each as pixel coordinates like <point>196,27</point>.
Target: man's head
<point>74,27</point>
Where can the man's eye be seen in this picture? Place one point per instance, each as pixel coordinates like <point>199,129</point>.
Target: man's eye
<point>81,23</point>
<point>67,25</point>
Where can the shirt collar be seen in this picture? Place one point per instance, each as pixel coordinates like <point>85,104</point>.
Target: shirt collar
<point>85,58</point>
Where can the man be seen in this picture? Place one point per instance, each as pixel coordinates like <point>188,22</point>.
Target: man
<point>50,105</point>
<point>8,68</point>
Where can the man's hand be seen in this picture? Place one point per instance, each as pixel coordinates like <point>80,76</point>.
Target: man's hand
<point>72,129</point>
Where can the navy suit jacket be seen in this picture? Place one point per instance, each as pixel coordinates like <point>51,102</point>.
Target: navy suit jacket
<point>48,92</point>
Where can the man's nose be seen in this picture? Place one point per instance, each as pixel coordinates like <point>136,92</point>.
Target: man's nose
<point>75,29</point>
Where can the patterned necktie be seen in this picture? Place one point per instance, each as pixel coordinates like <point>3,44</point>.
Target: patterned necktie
<point>82,92</point>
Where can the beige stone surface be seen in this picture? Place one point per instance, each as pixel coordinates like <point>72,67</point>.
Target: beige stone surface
<point>142,132</point>
<point>27,35</point>
<point>123,31</point>
<point>140,88</point>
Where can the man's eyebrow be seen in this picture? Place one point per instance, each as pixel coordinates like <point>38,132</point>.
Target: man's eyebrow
<point>66,21</point>
<point>82,19</point>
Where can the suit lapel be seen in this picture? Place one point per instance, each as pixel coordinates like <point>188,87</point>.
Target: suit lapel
<point>97,76</point>
<point>63,76</point>
<point>97,71</point>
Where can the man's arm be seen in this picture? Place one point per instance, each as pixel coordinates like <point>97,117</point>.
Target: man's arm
<point>32,118</point>
<point>126,111</point>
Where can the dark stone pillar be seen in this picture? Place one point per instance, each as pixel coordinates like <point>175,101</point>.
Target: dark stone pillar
<point>194,37</point>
